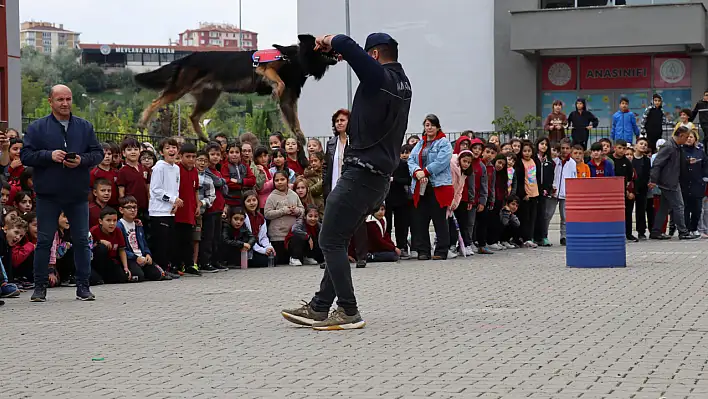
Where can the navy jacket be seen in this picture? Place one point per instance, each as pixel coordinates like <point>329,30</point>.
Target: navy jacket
<point>379,115</point>
<point>52,179</point>
<point>139,236</point>
<point>692,184</point>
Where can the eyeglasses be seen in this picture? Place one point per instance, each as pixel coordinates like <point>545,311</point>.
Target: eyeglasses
<point>130,207</point>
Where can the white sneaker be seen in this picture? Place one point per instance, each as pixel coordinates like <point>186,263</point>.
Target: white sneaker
<point>295,262</point>
<point>530,244</point>
<point>413,254</point>
<point>508,245</point>
<point>310,262</point>
<point>451,255</point>
<point>497,247</point>
<point>470,250</point>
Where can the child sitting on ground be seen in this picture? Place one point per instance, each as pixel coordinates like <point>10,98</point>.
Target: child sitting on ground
<point>61,256</point>
<point>23,254</point>
<point>23,202</point>
<point>137,252</point>
<point>109,257</point>
<point>381,247</point>
<point>302,241</point>
<point>256,223</point>
<point>235,238</point>
<point>25,183</point>
<point>282,208</point>
<point>11,234</point>
<point>509,220</point>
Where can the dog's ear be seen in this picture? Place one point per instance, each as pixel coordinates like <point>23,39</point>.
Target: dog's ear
<point>306,38</point>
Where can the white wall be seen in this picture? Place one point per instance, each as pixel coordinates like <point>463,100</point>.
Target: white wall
<point>446,48</point>
<point>14,76</point>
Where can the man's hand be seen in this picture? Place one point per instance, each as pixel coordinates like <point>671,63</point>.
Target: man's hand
<point>58,156</point>
<point>72,163</point>
<point>324,43</point>
<point>140,261</point>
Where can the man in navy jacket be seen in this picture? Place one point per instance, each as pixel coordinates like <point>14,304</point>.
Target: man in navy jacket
<point>378,121</point>
<point>61,148</point>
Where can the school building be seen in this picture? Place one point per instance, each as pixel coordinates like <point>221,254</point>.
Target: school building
<point>10,76</point>
<point>468,59</point>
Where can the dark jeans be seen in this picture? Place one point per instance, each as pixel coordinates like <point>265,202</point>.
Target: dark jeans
<point>462,215</point>
<point>527,217</point>
<point>357,194</point>
<point>48,210</point>
<point>163,241</point>
<point>481,227</point>
<point>376,257</point>
<point>300,249</point>
<point>110,269</point>
<point>429,209</point>
<point>402,215</point>
<point>671,201</point>
<point>644,213</point>
<point>542,221</point>
<point>692,212</point>
<point>183,250</point>
<point>494,223</point>
<point>628,210</point>
<point>211,235</point>
<point>361,242</point>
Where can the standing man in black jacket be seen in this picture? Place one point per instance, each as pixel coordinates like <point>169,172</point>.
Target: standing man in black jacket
<point>378,122</point>
<point>653,121</point>
<point>701,111</point>
<point>61,148</point>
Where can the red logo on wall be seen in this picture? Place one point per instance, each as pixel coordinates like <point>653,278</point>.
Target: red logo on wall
<point>615,72</point>
<point>559,73</point>
<point>672,71</point>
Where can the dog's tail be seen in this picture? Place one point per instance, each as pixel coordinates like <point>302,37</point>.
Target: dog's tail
<point>158,79</point>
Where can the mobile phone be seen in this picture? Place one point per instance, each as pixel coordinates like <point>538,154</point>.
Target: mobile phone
<point>70,156</point>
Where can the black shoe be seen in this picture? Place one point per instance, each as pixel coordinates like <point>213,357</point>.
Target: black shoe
<point>191,270</point>
<point>688,236</point>
<point>642,237</point>
<point>323,266</point>
<point>166,277</point>
<point>2,303</point>
<point>83,293</point>
<point>360,264</point>
<point>632,238</point>
<point>172,276</point>
<point>40,293</point>
<point>563,242</point>
<point>423,257</point>
<point>653,236</point>
<point>208,269</point>
<point>220,267</point>
<point>672,231</point>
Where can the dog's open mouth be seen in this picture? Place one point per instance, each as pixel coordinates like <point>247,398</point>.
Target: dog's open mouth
<point>332,57</point>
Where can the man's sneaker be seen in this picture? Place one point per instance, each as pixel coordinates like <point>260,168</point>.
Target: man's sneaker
<point>496,247</point>
<point>208,269</point>
<point>423,256</point>
<point>220,267</point>
<point>405,255</point>
<point>192,271</point>
<point>2,303</point>
<point>546,243</point>
<point>530,244</point>
<point>632,238</point>
<point>295,262</point>
<point>563,241</point>
<point>509,245</point>
<point>83,292</point>
<point>360,264</point>
<point>688,236</point>
<point>323,266</point>
<point>8,290</point>
<point>451,255</point>
<point>339,320</point>
<point>40,293</point>
<point>413,254</point>
<point>309,262</point>
<point>642,237</point>
<point>304,315</point>
<point>485,251</point>
<point>653,236</point>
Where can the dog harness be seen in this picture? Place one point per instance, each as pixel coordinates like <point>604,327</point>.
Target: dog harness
<point>266,56</point>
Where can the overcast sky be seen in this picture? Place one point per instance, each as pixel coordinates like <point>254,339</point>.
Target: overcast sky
<point>156,21</point>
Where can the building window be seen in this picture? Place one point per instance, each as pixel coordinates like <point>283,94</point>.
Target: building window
<point>46,35</point>
<point>201,41</point>
<point>46,49</point>
<point>166,58</point>
<point>134,58</point>
<point>213,34</point>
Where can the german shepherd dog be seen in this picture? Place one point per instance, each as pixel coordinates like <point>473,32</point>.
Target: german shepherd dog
<point>205,75</point>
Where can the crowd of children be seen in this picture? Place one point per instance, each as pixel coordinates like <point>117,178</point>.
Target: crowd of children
<point>175,210</point>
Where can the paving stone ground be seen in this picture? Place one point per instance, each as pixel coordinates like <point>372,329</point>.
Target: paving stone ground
<point>516,324</point>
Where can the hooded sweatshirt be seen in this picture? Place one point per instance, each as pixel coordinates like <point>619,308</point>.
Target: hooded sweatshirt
<point>579,120</point>
<point>552,121</point>
<point>653,120</point>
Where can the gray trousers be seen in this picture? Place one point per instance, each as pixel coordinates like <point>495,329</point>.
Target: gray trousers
<point>671,201</point>
<point>703,224</point>
<point>551,205</point>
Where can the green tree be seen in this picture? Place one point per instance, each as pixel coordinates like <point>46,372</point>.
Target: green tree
<point>92,78</point>
<point>33,94</point>
<point>249,106</point>
<point>508,124</point>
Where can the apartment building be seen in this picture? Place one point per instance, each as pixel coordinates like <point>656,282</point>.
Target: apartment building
<point>47,37</point>
<point>219,35</point>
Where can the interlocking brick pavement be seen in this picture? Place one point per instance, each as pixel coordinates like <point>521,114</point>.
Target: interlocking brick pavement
<point>516,324</point>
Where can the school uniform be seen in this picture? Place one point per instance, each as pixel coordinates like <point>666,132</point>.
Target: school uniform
<point>381,247</point>
<point>106,260</point>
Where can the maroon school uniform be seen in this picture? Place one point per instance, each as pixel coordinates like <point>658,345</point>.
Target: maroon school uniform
<point>188,185</point>
<point>295,166</point>
<point>379,239</point>
<point>94,213</point>
<point>135,181</point>
<point>111,176</point>
<point>116,239</point>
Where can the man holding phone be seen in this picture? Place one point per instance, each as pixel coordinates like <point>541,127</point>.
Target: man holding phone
<point>61,148</point>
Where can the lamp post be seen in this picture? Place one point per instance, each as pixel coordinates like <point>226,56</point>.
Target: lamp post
<point>240,27</point>
<point>349,68</point>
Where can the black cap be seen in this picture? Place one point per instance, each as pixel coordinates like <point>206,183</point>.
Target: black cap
<point>377,39</point>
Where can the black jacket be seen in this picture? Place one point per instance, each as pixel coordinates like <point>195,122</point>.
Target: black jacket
<point>653,122</point>
<point>545,177</point>
<point>623,167</point>
<point>642,167</point>
<point>700,110</point>
<point>379,115</point>
<point>580,122</point>
<point>398,194</point>
<point>667,166</point>
<point>330,149</point>
<point>692,184</point>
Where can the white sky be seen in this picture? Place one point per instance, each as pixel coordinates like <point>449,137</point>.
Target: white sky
<point>156,21</point>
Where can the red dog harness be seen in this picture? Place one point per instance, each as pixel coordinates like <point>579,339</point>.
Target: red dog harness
<point>265,56</point>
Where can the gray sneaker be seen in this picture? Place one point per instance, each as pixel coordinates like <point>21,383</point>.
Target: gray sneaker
<point>304,315</point>
<point>339,320</point>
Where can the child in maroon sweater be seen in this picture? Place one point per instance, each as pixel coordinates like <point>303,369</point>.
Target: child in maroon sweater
<point>239,177</point>
<point>134,178</point>
<point>185,216</point>
<point>104,170</point>
<point>381,247</point>
<point>101,195</point>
